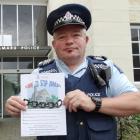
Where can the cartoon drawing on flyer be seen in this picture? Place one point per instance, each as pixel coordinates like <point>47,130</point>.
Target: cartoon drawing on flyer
<point>43,93</point>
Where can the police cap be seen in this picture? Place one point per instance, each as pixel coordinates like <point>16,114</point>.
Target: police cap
<point>68,14</point>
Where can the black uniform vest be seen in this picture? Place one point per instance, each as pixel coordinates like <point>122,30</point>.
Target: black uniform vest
<point>85,125</point>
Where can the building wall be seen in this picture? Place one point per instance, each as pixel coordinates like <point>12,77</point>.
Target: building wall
<point>10,130</point>
<point>134,11</point>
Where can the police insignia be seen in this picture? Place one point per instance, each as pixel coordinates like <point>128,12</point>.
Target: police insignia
<point>45,62</point>
<point>100,58</point>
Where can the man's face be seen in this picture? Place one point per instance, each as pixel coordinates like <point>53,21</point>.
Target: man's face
<point>70,42</point>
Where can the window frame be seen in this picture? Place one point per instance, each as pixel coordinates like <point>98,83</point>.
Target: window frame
<point>137,27</point>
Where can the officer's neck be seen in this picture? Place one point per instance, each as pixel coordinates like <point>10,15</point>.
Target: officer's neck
<point>73,65</point>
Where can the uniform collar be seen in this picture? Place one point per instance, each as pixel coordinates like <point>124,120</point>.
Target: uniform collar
<point>62,67</point>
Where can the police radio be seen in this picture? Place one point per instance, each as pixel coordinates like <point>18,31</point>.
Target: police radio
<point>102,76</point>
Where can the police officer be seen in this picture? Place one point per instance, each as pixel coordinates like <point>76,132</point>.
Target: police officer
<point>96,90</point>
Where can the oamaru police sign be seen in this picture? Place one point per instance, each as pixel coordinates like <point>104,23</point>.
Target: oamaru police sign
<point>28,47</point>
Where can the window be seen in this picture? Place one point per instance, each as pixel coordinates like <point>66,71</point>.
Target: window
<point>40,35</point>
<point>9,25</point>
<point>11,86</point>
<point>0,98</point>
<point>135,39</point>
<point>0,63</point>
<point>10,63</point>
<point>25,63</point>
<point>23,25</point>
<point>20,25</point>
<point>9,81</point>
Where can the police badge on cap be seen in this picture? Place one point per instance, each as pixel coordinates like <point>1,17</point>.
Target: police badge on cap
<point>68,14</point>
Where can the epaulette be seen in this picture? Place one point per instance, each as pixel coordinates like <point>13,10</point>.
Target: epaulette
<point>45,62</point>
<point>100,58</point>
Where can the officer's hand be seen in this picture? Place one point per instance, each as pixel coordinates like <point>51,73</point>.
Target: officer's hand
<point>78,100</point>
<point>14,105</point>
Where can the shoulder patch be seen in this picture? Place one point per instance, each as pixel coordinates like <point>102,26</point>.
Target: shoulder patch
<point>100,58</point>
<point>45,62</point>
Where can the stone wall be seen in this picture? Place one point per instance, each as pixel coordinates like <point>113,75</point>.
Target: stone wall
<point>10,130</point>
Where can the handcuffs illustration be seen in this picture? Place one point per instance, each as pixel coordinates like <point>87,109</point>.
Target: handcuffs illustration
<point>50,105</point>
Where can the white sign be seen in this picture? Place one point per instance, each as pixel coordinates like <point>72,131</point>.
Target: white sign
<point>5,40</point>
<point>46,114</point>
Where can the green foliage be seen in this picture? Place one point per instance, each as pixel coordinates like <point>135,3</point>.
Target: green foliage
<point>54,98</point>
<point>129,128</point>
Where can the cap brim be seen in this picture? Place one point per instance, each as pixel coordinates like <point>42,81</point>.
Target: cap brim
<point>65,24</point>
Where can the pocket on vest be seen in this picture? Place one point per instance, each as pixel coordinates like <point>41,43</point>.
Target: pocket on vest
<point>101,128</point>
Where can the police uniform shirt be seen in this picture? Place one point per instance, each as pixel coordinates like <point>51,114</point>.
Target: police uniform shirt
<point>80,70</point>
<point>118,84</point>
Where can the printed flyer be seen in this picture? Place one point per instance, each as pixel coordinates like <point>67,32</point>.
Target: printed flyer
<point>45,114</point>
